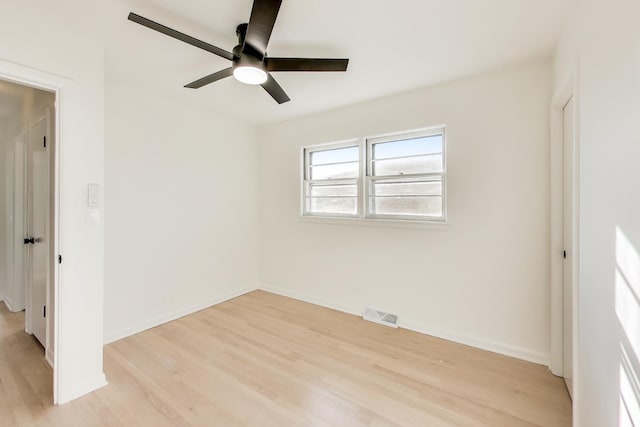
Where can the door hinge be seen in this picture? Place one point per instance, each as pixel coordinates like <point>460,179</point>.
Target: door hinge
<point>44,142</point>
<point>59,259</point>
<point>564,254</point>
<point>44,311</point>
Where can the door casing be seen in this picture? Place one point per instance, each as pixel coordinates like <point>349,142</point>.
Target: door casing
<point>567,89</point>
<point>569,232</point>
<point>37,79</point>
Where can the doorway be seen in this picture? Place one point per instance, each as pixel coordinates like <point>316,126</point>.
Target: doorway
<point>564,236</point>
<point>27,145</point>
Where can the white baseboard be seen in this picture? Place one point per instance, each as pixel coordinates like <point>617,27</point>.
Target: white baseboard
<point>152,323</point>
<point>48,358</point>
<point>87,387</point>
<point>10,305</point>
<point>492,346</point>
<point>495,347</point>
<point>313,300</point>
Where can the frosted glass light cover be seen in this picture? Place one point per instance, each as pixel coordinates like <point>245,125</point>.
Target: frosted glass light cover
<point>250,75</point>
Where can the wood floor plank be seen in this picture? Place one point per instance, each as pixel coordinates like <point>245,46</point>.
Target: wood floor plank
<point>266,360</point>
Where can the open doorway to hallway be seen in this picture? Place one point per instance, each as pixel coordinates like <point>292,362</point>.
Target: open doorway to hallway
<point>27,211</point>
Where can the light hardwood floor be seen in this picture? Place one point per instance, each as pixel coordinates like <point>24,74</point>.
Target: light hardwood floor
<point>266,360</point>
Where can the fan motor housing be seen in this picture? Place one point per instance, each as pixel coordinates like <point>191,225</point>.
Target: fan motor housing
<point>244,59</point>
<point>241,32</point>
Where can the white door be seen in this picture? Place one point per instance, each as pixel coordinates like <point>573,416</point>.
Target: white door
<point>568,227</point>
<point>38,203</point>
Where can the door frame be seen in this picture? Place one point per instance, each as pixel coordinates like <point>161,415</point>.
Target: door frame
<point>565,91</point>
<point>42,80</point>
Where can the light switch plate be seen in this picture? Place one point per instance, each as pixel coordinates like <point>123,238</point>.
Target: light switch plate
<point>93,195</point>
<point>93,216</point>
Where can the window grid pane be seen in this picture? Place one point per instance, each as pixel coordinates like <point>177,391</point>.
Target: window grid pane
<point>331,185</point>
<point>330,197</point>
<point>381,188</point>
<point>429,206</point>
<point>331,190</point>
<point>408,147</point>
<point>408,165</point>
<point>334,171</point>
<point>335,155</point>
<point>404,178</point>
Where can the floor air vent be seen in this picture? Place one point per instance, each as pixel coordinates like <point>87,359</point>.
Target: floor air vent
<point>381,317</point>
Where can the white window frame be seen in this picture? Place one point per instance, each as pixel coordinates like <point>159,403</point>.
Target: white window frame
<point>370,179</point>
<point>306,183</point>
<point>365,178</point>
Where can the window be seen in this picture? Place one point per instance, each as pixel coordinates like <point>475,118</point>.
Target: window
<point>404,177</point>
<point>331,180</point>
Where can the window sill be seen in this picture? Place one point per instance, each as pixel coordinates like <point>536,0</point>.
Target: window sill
<point>376,222</point>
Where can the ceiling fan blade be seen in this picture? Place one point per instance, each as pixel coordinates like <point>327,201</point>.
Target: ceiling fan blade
<point>306,64</point>
<point>274,89</point>
<point>210,78</point>
<point>263,18</point>
<point>180,36</point>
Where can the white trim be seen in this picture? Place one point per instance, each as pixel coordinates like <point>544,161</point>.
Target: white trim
<point>165,318</point>
<point>568,88</point>
<point>559,100</point>
<point>408,134</point>
<point>48,358</point>
<point>87,387</point>
<point>9,304</point>
<point>43,80</point>
<point>301,296</point>
<point>492,346</point>
<point>565,91</point>
<point>488,345</point>
<point>376,222</point>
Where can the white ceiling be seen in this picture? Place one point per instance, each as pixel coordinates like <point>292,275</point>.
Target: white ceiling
<point>393,46</point>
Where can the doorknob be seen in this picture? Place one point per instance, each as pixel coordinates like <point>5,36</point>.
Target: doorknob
<point>29,240</point>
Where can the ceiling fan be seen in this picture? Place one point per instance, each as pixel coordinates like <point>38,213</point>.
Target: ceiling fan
<point>249,61</point>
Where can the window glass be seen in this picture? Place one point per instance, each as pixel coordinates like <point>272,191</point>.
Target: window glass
<point>404,177</point>
<point>335,171</point>
<point>410,206</point>
<point>408,165</point>
<point>331,187</point>
<point>339,155</point>
<point>408,147</point>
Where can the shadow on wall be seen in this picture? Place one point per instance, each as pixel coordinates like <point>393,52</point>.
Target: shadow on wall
<point>627,300</point>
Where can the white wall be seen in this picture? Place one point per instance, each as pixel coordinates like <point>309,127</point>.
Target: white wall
<point>46,43</point>
<point>181,219</point>
<point>15,224</point>
<point>13,295</point>
<point>603,41</point>
<point>483,278</point>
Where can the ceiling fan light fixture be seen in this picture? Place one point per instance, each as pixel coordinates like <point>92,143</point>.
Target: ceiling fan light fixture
<point>250,75</point>
<point>250,63</point>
